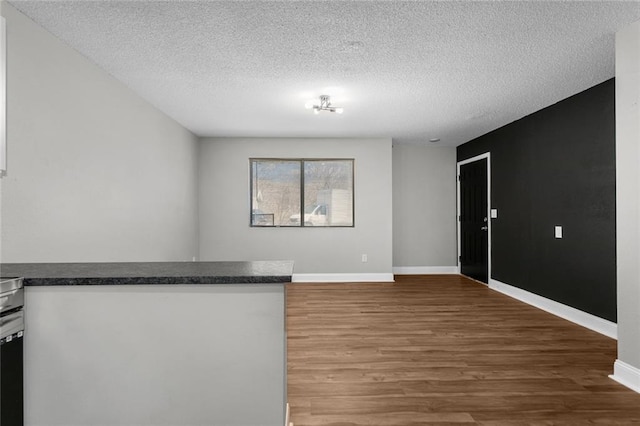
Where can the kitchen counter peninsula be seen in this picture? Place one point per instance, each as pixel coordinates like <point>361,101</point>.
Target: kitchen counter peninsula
<point>143,273</point>
<point>155,343</point>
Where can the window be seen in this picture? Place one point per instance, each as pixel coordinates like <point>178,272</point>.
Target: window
<point>298,193</point>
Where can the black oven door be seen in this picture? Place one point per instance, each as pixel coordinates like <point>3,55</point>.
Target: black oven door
<point>11,367</point>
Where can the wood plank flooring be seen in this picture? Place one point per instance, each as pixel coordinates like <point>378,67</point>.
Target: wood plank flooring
<point>444,350</point>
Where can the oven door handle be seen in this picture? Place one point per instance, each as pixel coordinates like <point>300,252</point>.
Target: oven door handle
<point>11,299</point>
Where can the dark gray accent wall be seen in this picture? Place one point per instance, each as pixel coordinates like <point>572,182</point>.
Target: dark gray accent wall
<point>556,167</point>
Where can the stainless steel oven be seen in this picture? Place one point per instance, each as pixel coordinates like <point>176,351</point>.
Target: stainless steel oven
<point>11,352</point>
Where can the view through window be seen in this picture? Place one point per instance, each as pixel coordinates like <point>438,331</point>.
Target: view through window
<point>301,192</point>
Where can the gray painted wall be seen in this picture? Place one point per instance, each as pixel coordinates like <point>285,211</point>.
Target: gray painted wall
<point>424,206</point>
<point>224,207</point>
<point>628,194</point>
<point>94,172</point>
<point>172,355</point>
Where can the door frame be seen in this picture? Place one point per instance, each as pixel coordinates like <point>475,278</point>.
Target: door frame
<point>487,156</point>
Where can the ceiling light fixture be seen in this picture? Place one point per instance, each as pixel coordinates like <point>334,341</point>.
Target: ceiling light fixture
<point>325,105</point>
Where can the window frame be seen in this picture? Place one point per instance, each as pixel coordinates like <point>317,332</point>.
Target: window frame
<point>301,162</point>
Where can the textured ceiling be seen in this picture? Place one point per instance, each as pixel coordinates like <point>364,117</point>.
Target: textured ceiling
<point>407,70</point>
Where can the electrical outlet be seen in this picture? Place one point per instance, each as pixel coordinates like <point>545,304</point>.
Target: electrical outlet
<point>364,258</point>
<point>558,231</point>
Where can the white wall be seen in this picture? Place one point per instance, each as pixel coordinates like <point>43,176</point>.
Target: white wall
<point>627,368</point>
<point>94,172</point>
<point>424,208</point>
<point>224,208</point>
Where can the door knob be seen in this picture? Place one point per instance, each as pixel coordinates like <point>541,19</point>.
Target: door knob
<point>485,228</point>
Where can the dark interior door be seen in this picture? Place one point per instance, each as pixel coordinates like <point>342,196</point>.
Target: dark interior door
<point>474,223</point>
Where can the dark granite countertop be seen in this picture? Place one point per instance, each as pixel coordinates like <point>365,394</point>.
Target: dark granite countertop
<point>136,273</point>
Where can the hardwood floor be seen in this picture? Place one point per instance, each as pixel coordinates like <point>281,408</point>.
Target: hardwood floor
<point>444,350</point>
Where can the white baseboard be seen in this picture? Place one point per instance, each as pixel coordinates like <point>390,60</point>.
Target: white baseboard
<point>626,375</point>
<point>340,278</point>
<point>592,322</point>
<point>287,416</point>
<point>425,270</point>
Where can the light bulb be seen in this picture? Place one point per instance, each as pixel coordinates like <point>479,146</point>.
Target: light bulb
<point>339,110</point>
<point>316,110</point>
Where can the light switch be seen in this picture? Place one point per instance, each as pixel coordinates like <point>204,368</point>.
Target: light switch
<point>494,213</point>
<point>558,231</point>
